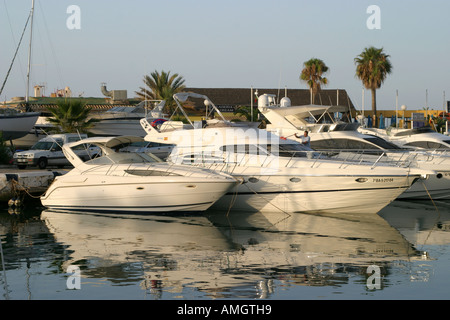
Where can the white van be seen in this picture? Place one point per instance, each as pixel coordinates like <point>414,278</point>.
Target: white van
<point>48,151</point>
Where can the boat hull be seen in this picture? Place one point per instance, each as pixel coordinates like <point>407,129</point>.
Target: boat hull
<point>436,187</point>
<point>128,194</point>
<point>17,126</point>
<point>118,127</point>
<point>316,194</point>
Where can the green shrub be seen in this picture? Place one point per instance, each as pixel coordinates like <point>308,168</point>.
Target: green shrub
<point>5,151</point>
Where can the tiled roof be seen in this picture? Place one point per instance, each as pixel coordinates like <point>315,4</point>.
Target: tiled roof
<point>95,107</point>
<point>242,96</point>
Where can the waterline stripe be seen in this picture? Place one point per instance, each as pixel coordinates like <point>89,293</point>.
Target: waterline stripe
<point>313,191</point>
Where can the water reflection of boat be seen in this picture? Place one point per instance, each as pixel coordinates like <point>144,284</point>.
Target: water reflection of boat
<point>169,251</point>
<point>421,223</point>
<point>226,255</point>
<point>307,239</point>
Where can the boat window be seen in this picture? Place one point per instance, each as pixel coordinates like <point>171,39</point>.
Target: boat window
<point>147,173</point>
<point>414,131</point>
<point>83,146</point>
<point>350,144</point>
<point>139,144</point>
<point>428,144</point>
<point>346,127</point>
<point>382,143</point>
<point>243,148</point>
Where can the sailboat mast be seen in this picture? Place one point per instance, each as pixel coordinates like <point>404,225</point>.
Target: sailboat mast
<point>29,53</point>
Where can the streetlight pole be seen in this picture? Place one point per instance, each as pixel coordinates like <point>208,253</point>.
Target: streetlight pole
<point>403,117</point>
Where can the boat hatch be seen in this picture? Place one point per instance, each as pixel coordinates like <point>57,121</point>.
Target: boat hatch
<point>147,173</point>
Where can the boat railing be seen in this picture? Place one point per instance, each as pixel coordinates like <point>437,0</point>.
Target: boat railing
<point>227,162</point>
<point>376,156</point>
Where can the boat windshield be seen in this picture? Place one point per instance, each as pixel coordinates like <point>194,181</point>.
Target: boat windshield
<point>382,143</point>
<point>429,144</point>
<point>122,157</point>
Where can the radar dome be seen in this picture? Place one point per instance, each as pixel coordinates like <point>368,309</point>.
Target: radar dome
<point>285,102</point>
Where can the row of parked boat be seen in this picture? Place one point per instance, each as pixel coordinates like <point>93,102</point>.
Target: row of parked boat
<point>233,166</point>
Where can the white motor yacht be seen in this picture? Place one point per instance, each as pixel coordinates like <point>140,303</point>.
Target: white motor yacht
<point>423,138</point>
<point>281,174</point>
<point>132,182</point>
<point>124,120</point>
<point>345,141</point>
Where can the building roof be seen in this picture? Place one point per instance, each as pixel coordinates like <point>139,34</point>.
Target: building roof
<point>242,96</point>
<point>223,97</point>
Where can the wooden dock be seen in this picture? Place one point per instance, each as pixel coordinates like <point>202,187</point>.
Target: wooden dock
<point>15,183</point>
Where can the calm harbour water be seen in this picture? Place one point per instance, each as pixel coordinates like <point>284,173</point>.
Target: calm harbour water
<point>216,255</point>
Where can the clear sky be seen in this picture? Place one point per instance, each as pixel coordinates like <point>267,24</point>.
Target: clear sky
<point>228,44</point>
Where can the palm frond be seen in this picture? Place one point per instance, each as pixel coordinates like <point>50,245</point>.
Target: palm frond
<point>161,86</point>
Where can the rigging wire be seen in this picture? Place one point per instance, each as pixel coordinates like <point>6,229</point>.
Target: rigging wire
<point>57,65</point>
<point>15,54</point>
<point>14,41</point>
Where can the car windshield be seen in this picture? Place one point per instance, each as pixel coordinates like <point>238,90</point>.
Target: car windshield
<point>42,145</point>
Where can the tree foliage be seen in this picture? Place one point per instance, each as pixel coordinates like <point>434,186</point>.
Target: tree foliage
<point>161,86</point>
<point>372,68</point>
<point>5,151</point>
<point>246,112</point>
<point>313,74</point>
<point>70,116</point>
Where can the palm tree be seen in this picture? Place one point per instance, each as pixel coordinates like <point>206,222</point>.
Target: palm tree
<point>71,116</point>
<point>372,68</point>
<point>161,86</point>
<point>244,111</point>
<point>312,74</point>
